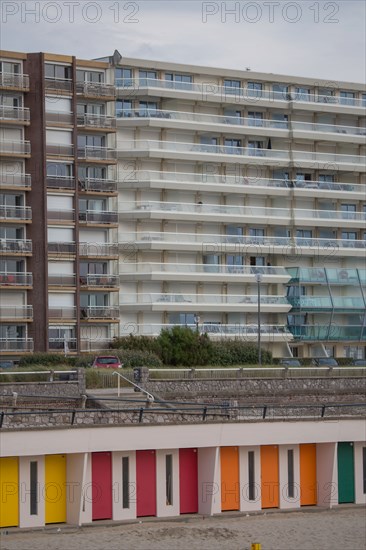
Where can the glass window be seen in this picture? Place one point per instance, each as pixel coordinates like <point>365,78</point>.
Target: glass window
<point>302,94</point>
<point>59,169</point>
<point>33,488</point>
<point>9,68</point>
<point>57,71</point>
<point>256,232</point>
<point>145,77</point>
<point>348,211</point>
<point>326,95</point>
<point>125,482</point>
<point>124,108</point>
<point>280,91</point>
<point>280,120</point>
<point>179,81</point>
<point>123,77</point>
<point>232,116</point>
<point>251,476</point>
<point>231,145</point>
<point>255,118</point>
<point>349,235</point>
<point>232,86</point>
<point>363,100</point>
<point>290,474</point>
<point>169,479</point>
<point>211,263</point>
<point>147,107</point>
<point>254,89</point>
<point>347,98</point>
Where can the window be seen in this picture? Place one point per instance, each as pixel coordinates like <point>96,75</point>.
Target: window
<point>302,94</point>
<point>124,108</point>
<point>92,172</point>
<point>304,237</point>
<point>348,211</point>
<point>257,261</point>
<point>147,107</point>
<point>255,148</point>
<point>255,118</point>
<point>185,319</point>
<point>363,100</point>
<point>123,77</point>
<point>211,263</point>
<point>93,268</point>
<point>9,68</point>
<point>347,98</point>
<point>33,488</point>
<point>235,263</point>
<point>90,109</point>
<point>232,146</point>
<point>290,474</point>
<point>349,235</point>
<point>94,300</point>
<point>179,81</point>
<point>146,77</point>
<point>280,120</point>
<point>232,86</point>
<point>208,144</point>
<point>281,175</point>
<point>326,95</point>
<point>169,479</point>
<point>280,91</point>
<point>57,72</point>
<point>12,332</point>
<point>234,230</point>
<point>58,169</point>
<point>325,180</point>
<point>125,482</point>
<point>90,76</point>
<point>232,116</point>
<point>251,475</point>
<point>254,89</point>
<point>256,232</point>
<point>91,141</point>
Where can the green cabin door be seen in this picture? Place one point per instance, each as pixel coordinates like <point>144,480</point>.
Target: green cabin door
<point>346,473</point>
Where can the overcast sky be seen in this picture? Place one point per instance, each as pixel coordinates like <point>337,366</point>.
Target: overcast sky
<point>317,39</point>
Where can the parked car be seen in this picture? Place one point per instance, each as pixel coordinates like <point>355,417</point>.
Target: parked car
<point>325,362</point>
<point>291,362</point>
<point>7,364</point>
<point>358,363</point>
<point>107,362</point>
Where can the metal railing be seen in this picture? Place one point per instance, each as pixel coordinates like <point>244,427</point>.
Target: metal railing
<point>56,248</point>
<point>20,147</point>
<point>96,89</point>
<point>189,269</point>
<point>107,281</point>
<point>98,217</point>
<point>58,84</point>
<point>218,299</point>
<point>8,179</point>
<point>248,332</point>
<point>15,246</point>
<point>20,114</point>
<point>99,312</point>
<point>16,312</point>
<point>15,279</point>
<point>60,182</point>
<point>90,152</point>
<point>12,80</point>
<point>16,344</point>
<point>97,250</point>
<point>61,279</point>
<point>61,215</point>
<point>96,121</point>
<point>60,150</point>
<point>58,117</point>
<point>15,212</point>
<point>97,185</point>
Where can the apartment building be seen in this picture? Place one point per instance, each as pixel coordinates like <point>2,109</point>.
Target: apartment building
<point>234,185</point>
<point>241,202</point>
<point>58,274</point>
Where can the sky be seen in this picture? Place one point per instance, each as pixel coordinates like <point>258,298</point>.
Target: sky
<point>321,39</point>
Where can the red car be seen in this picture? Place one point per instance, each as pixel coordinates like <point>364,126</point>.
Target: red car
<point>107,362</point>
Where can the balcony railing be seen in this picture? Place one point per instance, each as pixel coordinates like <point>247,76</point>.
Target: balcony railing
<point>314,303</point>
<point>62,312</point>
<point>11,80</point>
<point>59,150</point>
<point>61,280</point>
<point>15,148</point>
<point>96,121</point>
<point>56,117</point>
<point>332,276</point>
<point>16,312</point>
<point>96,185</point>
<point>239,181</point>
<point>332,332</point>
<point>96,90</point>
<point>60,344</point>
<point>97,250</point>
<point>249,332</point>
<point>241,211</point>
<point>15,180</point>
<point>98,217</point>
<point>97,153</point>
<point>15,279</point>
<point>60,182</point>
<point>99,312</point>
<point>223,93</point>
<point>56,248</point>
<point>58,85</point>
<point>144,146</point>
<point>60,215</point>
<point>16,344</point>
<point>223,242</point>
<point>214,299</point>
<point>252,123</point>
<point>18,114</point>
<point>23,213</point>
<point>105,281</point>
<point>200,269</point>
<point>15,246</point>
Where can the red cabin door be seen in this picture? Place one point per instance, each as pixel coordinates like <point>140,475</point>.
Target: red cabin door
<point>188,481</point>
<point>102,485</point>
<point>146,483</point>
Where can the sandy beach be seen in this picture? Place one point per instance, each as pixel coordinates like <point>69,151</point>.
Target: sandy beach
<point>342,529</point>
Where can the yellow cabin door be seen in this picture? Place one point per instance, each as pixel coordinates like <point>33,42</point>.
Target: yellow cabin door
<point>55,489</point>
<point>9,492</point>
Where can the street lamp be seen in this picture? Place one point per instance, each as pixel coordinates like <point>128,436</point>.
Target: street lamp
<point>258,278</point>
<point>196,320</point>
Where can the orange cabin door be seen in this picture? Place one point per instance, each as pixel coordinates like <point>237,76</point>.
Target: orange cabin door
<point>229,461</point>
<point>269,476</point>
<point>308,484</point>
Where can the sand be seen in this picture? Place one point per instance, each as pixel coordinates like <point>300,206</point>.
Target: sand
<point>339,529</point>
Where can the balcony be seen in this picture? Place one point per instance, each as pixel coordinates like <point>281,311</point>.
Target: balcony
<point>17,181</point>
<point>101,154</point>
<point>329,333</point>
<point>104,281</point>
<point>15,149</point>
<point>221,94</point>
<point>18,247</point>
<point>16,279</point>
<point>59,119</point>
<point>342,304</point>
<point>60,86</point>
<point>98,250</point>
<point>15,213</point>
<point>61,249</point>
<point>331,276</point>
<point>62,280</point>
<point>97,122</point>
<point>16,345</point>
<point>96,185</point>
<point>12,81</point>
<point>100,313</point>
<point>238,184</point>
<point>204,302</point>
<point>269,333</point>
<point>96,90</point>
<point>61,313</point>
<point>62,344</point>
<point>54,150</point>
<point>65,183</point>
<point>61,216</point>
<point>93,217</point>
<point>20,115</point>
<point>228,153</point>
<point>201,272</point>
<point>11,313</point>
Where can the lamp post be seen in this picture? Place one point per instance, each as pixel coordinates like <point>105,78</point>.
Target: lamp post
<point>258,278</point>
<point>196,320</point>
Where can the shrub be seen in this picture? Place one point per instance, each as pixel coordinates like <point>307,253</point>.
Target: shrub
<point>182,346</point>
<point>46,359</point>
<point>138,343</point>
<point>134,358</point>
<point>237,352</point>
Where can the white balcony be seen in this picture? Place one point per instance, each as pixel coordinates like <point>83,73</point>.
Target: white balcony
<point>19,148</point>
<point>20,115</point>
<point>98,250</point>
<point>15,279</point>
<point>15,213</point>
<point>16,345</point>
<point>11,313</point>
<point>13,81</point>
<point>96,122</point>
<point>8,180</point>
<point>91,153</point>
<point>238,184</point>
<point>99,313</point>
<point>201,272</point>
<point>269,333</point>
<point>17,247</point>
<point>204,302</point>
